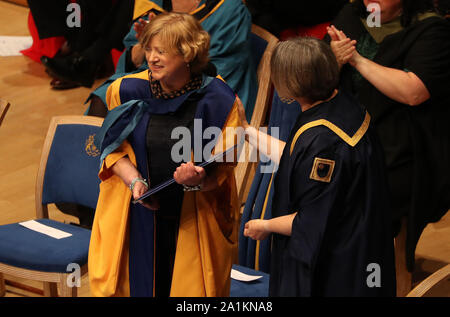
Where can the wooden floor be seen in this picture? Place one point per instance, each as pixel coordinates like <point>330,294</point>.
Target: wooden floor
<point>25,85</point>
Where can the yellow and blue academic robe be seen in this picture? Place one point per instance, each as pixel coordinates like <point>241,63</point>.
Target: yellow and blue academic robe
<point>332,174</point>
<point>228,23</point>
<point>121,254</point>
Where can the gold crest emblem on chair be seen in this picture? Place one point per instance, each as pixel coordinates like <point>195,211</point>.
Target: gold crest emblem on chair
<point>91,148</point>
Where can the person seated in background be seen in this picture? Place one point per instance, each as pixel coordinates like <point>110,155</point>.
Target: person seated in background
<point>279,15</point>
<point>228,24</point>
<point>400,71</point>
<point>187,246</point>
<point>85,55</point>
<point>331,226</point>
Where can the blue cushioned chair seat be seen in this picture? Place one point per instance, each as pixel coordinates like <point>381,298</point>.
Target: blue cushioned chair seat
<point>258,288</point>
<point>28,249</point>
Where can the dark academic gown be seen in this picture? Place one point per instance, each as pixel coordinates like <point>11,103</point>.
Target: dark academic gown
<point>332,174</point>
<point>415,140</point>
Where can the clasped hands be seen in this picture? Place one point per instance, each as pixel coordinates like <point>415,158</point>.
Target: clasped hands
<point>343,47</point>
<point>187,174</point>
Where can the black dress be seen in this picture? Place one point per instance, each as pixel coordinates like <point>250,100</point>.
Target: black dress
<point>415,140</point>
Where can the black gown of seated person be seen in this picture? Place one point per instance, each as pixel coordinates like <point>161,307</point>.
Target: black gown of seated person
<point>332,173</point>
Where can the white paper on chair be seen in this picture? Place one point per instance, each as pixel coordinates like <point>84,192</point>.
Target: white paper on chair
<point>44,229</point>
<point>239,276</point>
<point>12,45</point>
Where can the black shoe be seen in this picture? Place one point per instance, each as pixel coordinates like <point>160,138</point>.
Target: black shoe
<point>60,84</point>
<point>74,68</point>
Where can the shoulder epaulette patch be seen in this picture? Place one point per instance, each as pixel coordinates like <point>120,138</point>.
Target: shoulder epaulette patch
<point>322,170</point>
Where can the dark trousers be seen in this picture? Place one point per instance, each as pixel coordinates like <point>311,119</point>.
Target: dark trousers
<point>104,24</point>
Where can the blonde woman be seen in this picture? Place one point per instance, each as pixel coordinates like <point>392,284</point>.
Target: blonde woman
<point>183,240</point>
<point>228,23</point>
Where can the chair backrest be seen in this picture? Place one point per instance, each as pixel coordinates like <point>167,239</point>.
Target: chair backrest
<point>68,171</point>
<point>403,276</point>
<point>433,281</point>
<point>4,106</point>
<point>404,269</point>
<point>262,44</point>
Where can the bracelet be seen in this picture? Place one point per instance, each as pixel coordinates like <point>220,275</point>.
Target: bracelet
<point>137,179</point>
<point>188,188</point>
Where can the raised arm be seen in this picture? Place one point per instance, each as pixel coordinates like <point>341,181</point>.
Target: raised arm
<point>268,145</point>
<point>399,85</point>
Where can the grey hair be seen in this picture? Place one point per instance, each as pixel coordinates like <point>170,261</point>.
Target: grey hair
<point>304,68</point>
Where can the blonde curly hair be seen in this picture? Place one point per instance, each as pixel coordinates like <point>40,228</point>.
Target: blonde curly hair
<point>180,34</point>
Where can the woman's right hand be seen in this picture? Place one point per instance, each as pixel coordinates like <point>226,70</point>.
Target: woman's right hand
<point>139,189</point>
<point>127,172</point>
<point>141,23</point>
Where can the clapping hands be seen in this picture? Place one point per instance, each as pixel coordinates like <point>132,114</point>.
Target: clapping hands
<point>141,23</point>
<point>343,47</point>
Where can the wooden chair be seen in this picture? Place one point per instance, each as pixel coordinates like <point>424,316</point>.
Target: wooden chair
<point>404,277</point>
<point>23,3</point>
<point>67,173</point>
<point>435,279</point>
<point>4,106</point>
<point>262,43</point>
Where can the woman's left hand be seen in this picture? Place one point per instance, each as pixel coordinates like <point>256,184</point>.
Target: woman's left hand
<point>189,174</point>
<point>256,229</point>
